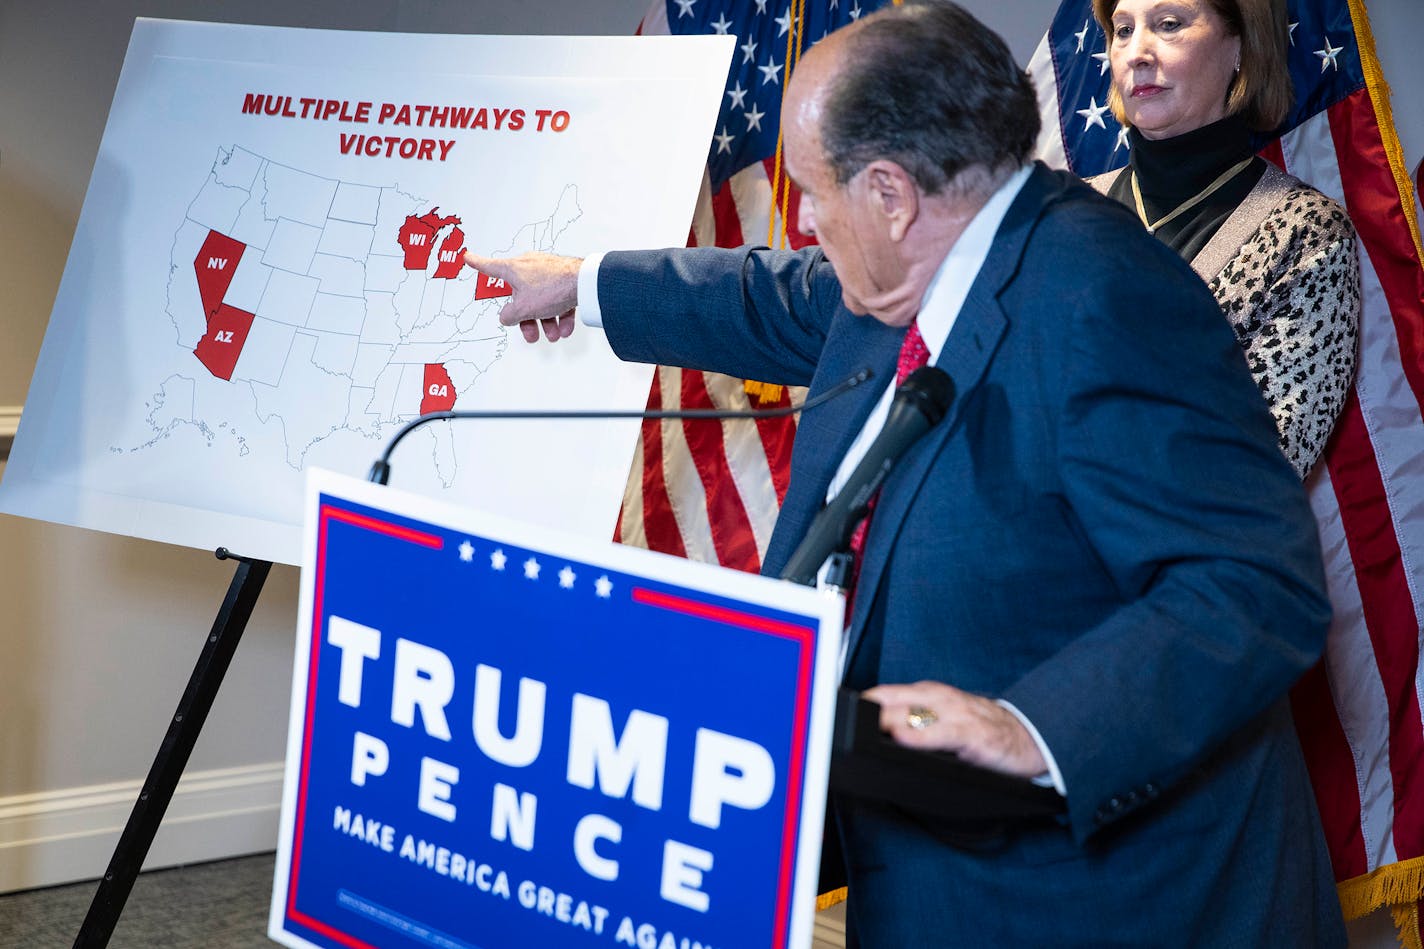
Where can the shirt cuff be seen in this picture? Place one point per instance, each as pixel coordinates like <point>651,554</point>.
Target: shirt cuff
<point>588,311</point>
<point>1054,777</point>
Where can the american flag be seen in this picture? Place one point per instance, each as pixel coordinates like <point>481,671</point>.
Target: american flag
<point>1358,712</point>
<point>698,490</point>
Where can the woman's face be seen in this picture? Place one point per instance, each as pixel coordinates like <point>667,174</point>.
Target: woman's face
<point>1172,62</point>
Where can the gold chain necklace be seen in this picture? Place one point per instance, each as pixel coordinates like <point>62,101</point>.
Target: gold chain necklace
<point>1187,205</point>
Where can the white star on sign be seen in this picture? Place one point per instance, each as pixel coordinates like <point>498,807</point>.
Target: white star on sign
<point>748,52</point>
<point>467,551</point>
<point>531,569</point>
<point>754,119</point>
<point>603,586</point>
<point>684,8</point>
<point>1103,64</point>
<point>566,577</point>
<point>498,560</point>
<point>1083,34</point>
<point>784,22</point>
<point>724,141</point>
<point>1093,115</point>
<point>738,94</point>
<point>1328,54</point>
<point>770,73</point>
<point>722,25</point>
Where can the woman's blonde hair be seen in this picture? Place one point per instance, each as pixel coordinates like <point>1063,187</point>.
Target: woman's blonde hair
<point>1260,92</point>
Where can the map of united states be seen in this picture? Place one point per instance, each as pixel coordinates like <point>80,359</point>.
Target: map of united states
<point>339,306</point>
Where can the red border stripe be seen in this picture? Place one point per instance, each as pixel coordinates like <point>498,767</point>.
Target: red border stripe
<point>432,541</point>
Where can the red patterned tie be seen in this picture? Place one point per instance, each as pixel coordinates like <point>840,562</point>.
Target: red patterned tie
<point>914,354</point>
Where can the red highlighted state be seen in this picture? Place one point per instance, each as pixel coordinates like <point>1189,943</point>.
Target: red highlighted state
<point>223,342</point>
<point>490,287</point>
<point>439,391</point>
<point>417,237</point>
<point>450,260</point>
<point>215,264</point>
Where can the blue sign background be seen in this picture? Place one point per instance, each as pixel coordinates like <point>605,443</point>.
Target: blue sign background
<point>699,660</point>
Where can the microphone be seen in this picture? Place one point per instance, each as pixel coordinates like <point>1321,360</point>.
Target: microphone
<point>919,404</point>
<point>380,472</point>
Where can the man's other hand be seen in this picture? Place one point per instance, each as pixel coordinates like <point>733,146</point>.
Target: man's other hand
<point>544,291</point>
<point>938,717</point>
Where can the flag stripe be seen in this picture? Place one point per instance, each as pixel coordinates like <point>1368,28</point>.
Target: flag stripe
<point>731,530</point>
<point>1352,707</point>
<point>1394,317</point>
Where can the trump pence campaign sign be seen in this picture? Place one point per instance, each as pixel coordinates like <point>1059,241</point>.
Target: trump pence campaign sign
<point>503,737</point>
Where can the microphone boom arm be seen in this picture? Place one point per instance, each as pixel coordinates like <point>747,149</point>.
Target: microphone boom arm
<point>380,472</point>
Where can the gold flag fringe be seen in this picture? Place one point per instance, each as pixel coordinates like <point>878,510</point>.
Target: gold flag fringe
<point>1384,117</point>
<point>833,898</point>
<point>764,392</point>
<point>1396,885</point>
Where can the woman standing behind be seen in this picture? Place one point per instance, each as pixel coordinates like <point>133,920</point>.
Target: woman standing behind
<point>1191,81</point>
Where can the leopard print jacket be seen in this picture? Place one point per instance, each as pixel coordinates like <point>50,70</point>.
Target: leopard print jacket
<point>1291,290</point>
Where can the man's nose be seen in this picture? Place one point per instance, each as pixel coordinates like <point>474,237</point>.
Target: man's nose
<point>805,216</point>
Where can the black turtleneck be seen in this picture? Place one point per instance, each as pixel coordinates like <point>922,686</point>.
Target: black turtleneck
<point>1173,170</point>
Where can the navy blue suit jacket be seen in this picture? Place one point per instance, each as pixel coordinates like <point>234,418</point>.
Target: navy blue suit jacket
<point>1102,531</point>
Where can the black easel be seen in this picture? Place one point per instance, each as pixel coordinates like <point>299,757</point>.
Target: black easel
<point>173,754</point>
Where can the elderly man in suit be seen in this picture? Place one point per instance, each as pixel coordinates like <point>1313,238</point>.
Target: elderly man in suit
<point>1097,569</point>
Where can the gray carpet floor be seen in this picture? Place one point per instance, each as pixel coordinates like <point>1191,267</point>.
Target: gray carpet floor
<point>220,905</point>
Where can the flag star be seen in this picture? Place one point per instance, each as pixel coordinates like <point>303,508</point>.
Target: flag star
<point>1093,115</point>
<point>1328,54</point>
<point>722,25</point>
<point>1083,34</point>
<point>531,569</point>
<point>1102,59</point>
<point>748,52</point>
<point>754,118</point>
<point>724,141</point>
<point>467,551</point>
<point>738,94</point>
<point>1292,32</point>
<point>770,73</point>
<point>498,560</point>
<point>784,21</point>
<point>835,3</point>
<point>566,577</point>
<point>761,6</point>
<point>603,586</point>
<point>1121,138</point>
<point>684,7</point>
<point>855,12</point>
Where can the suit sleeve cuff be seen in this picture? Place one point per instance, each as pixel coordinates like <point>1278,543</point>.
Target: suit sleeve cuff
<point>588,310</point>
<point>1054,777</point>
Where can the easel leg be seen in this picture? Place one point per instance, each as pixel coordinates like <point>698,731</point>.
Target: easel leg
<point>173,754</point>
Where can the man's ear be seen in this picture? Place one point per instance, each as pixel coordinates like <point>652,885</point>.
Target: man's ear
<point>893,196</point>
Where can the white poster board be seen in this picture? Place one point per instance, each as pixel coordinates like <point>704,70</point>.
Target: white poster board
<point>265,274</point>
